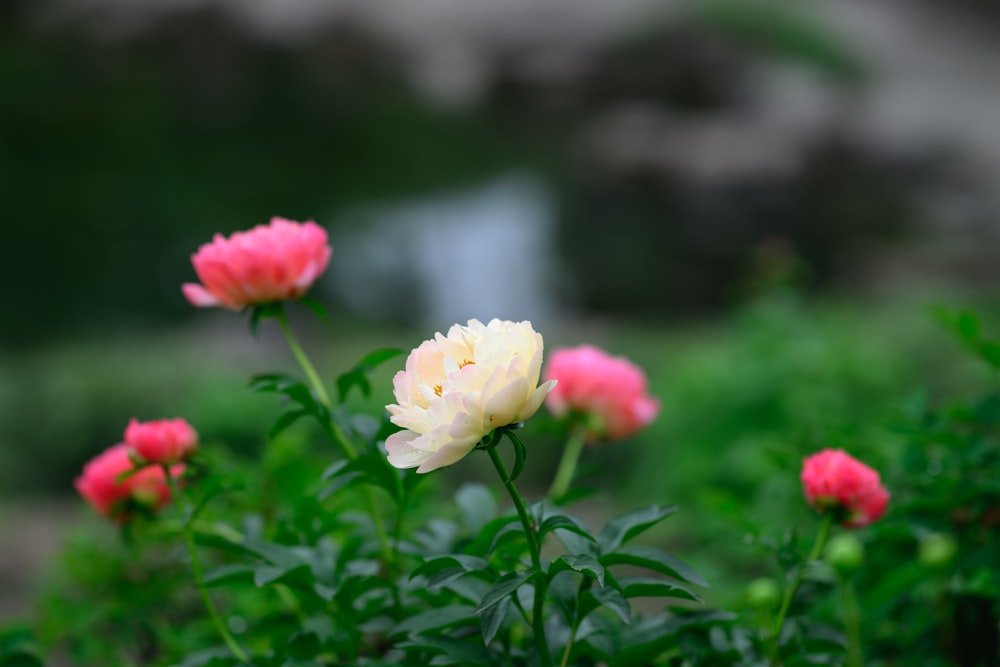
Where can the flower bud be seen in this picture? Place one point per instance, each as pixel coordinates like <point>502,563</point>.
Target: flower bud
<point>937,550</point>
<point>763,593</point>
<point>845,553</point>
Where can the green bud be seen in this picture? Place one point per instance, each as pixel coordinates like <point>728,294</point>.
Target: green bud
<point>763,593</point>
<point>937,550</point>
<point>845,553</point>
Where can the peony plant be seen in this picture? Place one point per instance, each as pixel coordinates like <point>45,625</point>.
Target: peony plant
<point>362,565</point>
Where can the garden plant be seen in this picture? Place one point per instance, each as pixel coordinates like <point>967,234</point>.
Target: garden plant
<point>362,562</point>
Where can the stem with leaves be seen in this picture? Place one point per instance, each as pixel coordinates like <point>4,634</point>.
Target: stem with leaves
<point>338,434</point>
<point>187,530</point>
<point>786,602</point>
<point>534,544</point>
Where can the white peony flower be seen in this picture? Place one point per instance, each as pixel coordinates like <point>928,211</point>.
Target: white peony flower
<point>456,389</point>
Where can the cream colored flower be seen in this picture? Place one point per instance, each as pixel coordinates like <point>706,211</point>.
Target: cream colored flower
<point>455,389</point>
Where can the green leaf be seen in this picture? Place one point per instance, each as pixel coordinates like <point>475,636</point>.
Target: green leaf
<point>520,456</point>
<point>434,619</point>
<point>647,587</point>
<point>477,505</point>
<point>315,306</point>
<point>582,563</point>
<point>455,561</point>
<point>653,559</point>
<point>623,528</point>
<point>358,376</point>
<point>504,586</point>
<point>483,543</point>
<point>284,421</point>
<point>229,574</point>
<point>564,522</point>
<point>606,597</point>
<point>372,468</point>
<point>452,651</point>
<point>492,618</point>
<point>300,575</point>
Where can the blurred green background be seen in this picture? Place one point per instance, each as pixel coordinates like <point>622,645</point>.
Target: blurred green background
<point>756,201</point>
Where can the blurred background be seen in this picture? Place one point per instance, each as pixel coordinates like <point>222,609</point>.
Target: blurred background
<point>758,202</point>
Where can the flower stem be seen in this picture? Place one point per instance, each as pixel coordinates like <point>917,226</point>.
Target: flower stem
<point>338,433</point>
<point>534,548</point>
<point>567,465</point>
<point>786,602</point>
<point>187,529</point>
<point>852,622</point>
<point>316,382</point>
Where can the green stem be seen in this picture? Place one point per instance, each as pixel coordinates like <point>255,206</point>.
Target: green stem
<point>567,465</point>
<point>187,528</point>
<point>534,548</point>
<point>338,433</point>
<point>786,602</point>
<point>316,382</point>
<point>852,622</point>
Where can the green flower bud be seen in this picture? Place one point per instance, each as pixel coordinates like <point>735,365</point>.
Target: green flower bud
<point>937,550</point>
<point>845,553</point>
<point>763,593</point>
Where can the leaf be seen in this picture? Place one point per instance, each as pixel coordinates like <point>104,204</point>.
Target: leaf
<point>653,559</point>
<point>455,561</point>
<point>582,563</point>
<point>492,618</point>
<point>503,587</point>
<point>315,306</point>
<point>371,468</point>
<point>647,587</point>
<point>477,506</point>
<point>300,576</point>
<point>483,543</point>
<point>606,597</point>
<point>433,619</point>
<point>229,574</point>
<point>358,376</point>
<point>284,421</point>
<point>564,522</point>
<point>453,651</point>
<point>520,456</point>
<point>623,528</point>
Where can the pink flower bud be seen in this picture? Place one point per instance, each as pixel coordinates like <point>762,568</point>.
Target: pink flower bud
<point>610,391</point>
<point>102,486</point>
<point>161,441</point>
<point>265,264</point>
<point>835,481</point>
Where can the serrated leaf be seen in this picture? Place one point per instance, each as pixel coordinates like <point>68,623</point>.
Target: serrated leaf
<point>582,563</point>
<point>621,529</point>
<point>433,619</point>
<point>503,587</point>
<point>492,618</point>
<point>653,559</point>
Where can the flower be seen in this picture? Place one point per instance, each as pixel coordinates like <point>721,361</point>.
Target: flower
<point>265,264</point>
<point>101,484</point>
<point>834,480</point>
<point>458,388</point>
<point>161,441</point>
<point>609,391</point>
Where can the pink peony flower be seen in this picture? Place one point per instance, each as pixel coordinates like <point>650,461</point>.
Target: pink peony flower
<point>609,391</point>
<point>101,486</point>
<point>834,480</point>
<point>161,441</point>
<point>267,263</point>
